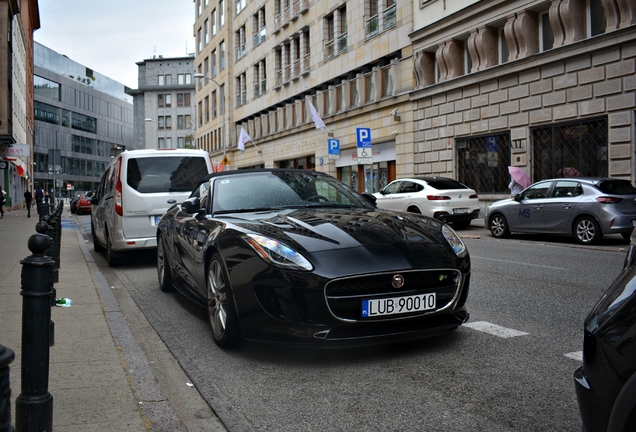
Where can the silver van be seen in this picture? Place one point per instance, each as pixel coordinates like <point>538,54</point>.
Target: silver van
<point>136,189</point>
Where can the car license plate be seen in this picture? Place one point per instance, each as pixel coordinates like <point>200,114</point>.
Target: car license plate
<point>460,210</point>
<point>398,305</point>
<point>157,219</point>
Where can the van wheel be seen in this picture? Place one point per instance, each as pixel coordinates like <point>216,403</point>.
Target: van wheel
<point>97,247</point>
<point>113,258</point>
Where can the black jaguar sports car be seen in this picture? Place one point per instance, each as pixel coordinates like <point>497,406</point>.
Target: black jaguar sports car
<point>298,257</point>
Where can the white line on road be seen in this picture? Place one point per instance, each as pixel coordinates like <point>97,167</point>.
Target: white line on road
<point>576,355</point>
<point>494,329</point>
<point>517,262</point>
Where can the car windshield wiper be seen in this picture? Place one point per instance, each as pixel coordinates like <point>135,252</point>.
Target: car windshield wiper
<point>328,204</point>
<point>251,210</point>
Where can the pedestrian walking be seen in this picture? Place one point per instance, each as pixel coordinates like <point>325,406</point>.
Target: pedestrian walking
<point>515,188</point>
<point>2,201</point>
<point>39,201</point>
<point>28,199</point>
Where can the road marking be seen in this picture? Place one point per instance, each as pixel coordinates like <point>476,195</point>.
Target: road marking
<point>576,355</point>
<point>517,262</point>
<point>494,329</point>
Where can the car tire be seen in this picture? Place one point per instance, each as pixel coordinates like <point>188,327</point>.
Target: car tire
<point>498,226</point>
<point>163,269</point>
<point>97,247</point>
<point>221,309</point>
<point>113,258</point>
<point>587,231</point>
<point>413,209</point>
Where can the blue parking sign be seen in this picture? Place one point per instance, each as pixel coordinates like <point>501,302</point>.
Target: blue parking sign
<point>363,137</point>
<point>333,148</point>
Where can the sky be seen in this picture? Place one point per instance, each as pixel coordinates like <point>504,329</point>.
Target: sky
<point>110,37</point>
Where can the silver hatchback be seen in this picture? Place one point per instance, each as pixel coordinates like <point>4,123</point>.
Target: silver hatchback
<point>584,207</point>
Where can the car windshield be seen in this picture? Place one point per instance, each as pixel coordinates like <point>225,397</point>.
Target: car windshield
<point>252,191</point>
<point>617,187</point>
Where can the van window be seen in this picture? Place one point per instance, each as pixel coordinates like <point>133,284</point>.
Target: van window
<point>165,174</point>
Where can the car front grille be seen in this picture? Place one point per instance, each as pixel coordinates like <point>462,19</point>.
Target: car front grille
<point>344,296</point>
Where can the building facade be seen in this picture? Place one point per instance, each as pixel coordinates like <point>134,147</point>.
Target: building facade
<point>164,103</point>
<point>548,86</point>
<point>461,89</point>
<point>18,20</point>
<point>82,119</point>
<point>265,62</point>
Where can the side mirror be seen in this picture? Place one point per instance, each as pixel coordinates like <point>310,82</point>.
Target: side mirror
<point>191,206</point>
<point>94,199</point>
<point>517,197</point>
<point>369,197</point>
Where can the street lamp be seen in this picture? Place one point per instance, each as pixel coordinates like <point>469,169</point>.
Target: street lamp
<point>200,75</point>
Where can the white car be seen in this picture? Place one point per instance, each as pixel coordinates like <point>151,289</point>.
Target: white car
<point>439,197</point>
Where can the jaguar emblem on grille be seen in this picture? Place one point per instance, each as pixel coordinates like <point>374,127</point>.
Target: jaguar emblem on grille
<point>397,281</point>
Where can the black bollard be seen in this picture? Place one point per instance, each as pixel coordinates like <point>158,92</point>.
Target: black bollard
<point>44,228</point>
<point>34,406</point>
<point>6,357</point>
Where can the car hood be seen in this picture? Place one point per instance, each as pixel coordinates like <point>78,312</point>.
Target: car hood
<point>358,237</point>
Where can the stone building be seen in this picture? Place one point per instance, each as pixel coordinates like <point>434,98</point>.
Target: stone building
<point>164,103</point>
<point>548,86</point>
<point>264,61</point>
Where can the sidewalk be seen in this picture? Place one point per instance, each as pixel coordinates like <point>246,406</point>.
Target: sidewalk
<point>99,378</point>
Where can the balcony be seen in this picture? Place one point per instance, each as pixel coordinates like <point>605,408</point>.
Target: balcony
<point>389,18</point>
<point>278,21</point>
<point>342,43</point>
<point>279,78</point>
<point>286,16</point>
<point>330,49</point>
<point>295,9</point>
<point>305,66</point>
<point>304,6</point>
<point>259,38</point>
<point>286,74</point>
<point>372,26</point>
<point>296,69</point>
<point>241,51</point>
<point>260,88</point>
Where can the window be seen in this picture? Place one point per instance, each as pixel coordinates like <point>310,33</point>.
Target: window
<point>368,87</point>
<point>547,35</point>
<point>213,63</point>
<point>240,5</point>
<point>504,51</point>
<point>387,81</point>
<point>335,27</point>
<point>206,107</point>
<point>46,88</point>
<point>161,80</point>
<point>213,23</point>
<point>354,97</point>
<point>482,163</point>
<point>160,100</point>
<point>579,146</point>
<point>222,54</point>
<point>183,99</point>
<point>214,104</point>
<point>168,98</point>
<point>206,34</point>
<point>240,43</point>
<point>597,18</point>
<point>259,29</point>
<point>200,110</point>
<point>221,13</point>
<point>199,40</point>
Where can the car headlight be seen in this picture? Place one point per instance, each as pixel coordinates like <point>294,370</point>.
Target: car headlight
<point>454,241</point>
<point>277,253</point>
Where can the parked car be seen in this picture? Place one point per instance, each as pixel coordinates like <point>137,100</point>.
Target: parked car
<point>136,189</point>
<point>298,257</point>
<point>606,383</point>
<point>584,207</point>
<point>83,204</point>
<point>438,197</point>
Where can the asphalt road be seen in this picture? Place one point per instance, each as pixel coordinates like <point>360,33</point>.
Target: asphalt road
<point>508,369</point>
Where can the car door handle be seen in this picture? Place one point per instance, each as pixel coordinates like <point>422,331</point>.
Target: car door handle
<point>172,201</point>
<point>567,206</point>
<point>538,207</point>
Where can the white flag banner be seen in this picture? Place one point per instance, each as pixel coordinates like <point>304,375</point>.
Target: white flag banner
<point>243,138</point>
<point>316,117</point>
